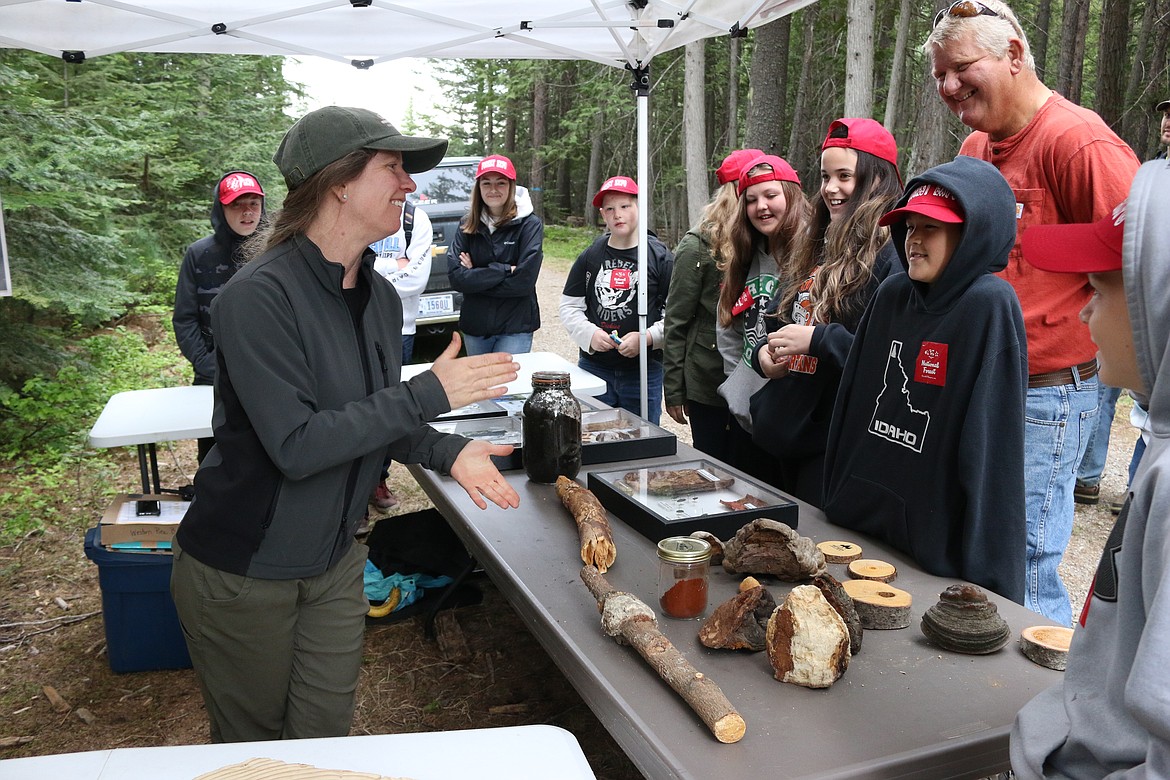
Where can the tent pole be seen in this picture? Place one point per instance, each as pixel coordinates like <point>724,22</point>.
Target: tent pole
<point>642,90</point>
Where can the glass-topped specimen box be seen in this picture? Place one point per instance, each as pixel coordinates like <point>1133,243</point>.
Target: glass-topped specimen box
<point>513,403</point>
<point>475,411</point>
<point>607,436</point>
<point>679,498</point>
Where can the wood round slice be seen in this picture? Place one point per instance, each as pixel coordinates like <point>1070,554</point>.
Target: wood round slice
<point>879,605</point>
<point>872,569</point>
<point>839,552</point>
<point>1046,645</point>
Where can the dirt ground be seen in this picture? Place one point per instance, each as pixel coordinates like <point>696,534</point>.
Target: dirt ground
<point>57,693</point>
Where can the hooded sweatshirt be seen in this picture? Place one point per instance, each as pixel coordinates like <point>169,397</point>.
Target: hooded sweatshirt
<point>926,444</point>
<point>1109,716</point>
<point>499,290</point>
<point>207,266</point>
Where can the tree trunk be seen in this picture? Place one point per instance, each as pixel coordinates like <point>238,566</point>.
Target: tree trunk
<point>593,180</point>
<point>733,93</point>
<point>1072,38</point>
<point>1039,37</point>
<point>859,58</point>
<point>799,139</point>
<point>934,142</point>
<point>1111,60</point>
<point>539,113</point>
<point>766,104</point>
<point>1137,97</point>
<point>898,67</point>
<point>695,130</point>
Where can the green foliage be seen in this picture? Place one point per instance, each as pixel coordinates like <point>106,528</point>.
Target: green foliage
<point>562,244</point>
<point>50,416</point>
<point>112,178</point>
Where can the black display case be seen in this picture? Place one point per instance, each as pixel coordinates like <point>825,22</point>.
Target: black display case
<point>680,498</point>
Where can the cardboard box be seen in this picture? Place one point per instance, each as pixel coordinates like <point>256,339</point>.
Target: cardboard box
<point>121,524</point>
<point>142,627</point>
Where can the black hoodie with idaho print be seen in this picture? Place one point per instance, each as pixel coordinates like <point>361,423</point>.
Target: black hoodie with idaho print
<point>926,444</point>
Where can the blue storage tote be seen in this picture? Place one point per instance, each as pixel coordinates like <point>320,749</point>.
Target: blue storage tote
<point>142,627</point>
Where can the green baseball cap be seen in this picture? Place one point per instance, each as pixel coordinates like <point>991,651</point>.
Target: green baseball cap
<point>330,133</point>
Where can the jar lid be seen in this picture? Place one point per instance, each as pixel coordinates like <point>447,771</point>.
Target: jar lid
<point>550,378</point>
<point>684,549</point>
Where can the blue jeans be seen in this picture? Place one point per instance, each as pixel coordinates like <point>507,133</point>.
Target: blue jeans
<point>407,348</point>
<point>1057,426</point>
<point>1093,464</point>
<point>623,387</point>
<point>512,343</point>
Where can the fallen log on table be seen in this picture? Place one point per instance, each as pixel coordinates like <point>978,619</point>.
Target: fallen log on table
<point>597,547</point>
<point>1047,645</point>
<point>626,617</point>
<point>880,605</point>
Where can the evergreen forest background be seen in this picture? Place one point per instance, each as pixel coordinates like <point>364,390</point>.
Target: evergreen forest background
<point>107,167</point>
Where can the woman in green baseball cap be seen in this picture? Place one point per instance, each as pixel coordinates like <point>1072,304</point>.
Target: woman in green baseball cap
<point>267,580</point>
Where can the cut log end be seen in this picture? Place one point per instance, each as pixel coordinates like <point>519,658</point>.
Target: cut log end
<point>840,552</point>
<point>1046,645</point>
<point>872,569</point>
<point>730,728</point>
<point>880,606</point>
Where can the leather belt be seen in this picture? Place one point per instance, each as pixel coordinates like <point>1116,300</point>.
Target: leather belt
<point>1064,376</point>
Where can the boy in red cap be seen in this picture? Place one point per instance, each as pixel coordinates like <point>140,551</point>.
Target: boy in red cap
<point>237,209</point>
<point>599,306</point>
<point>1109,714</point>
<point>926,444</point>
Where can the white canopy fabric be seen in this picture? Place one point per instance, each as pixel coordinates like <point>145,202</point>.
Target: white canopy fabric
<point>620,33</point>
<point>611,32</point>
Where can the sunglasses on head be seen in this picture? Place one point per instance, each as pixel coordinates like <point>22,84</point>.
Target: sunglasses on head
<point>964,9</point>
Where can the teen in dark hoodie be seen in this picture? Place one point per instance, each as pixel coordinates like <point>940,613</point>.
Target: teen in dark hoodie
<point>926,443</point>
<point>237,209</point>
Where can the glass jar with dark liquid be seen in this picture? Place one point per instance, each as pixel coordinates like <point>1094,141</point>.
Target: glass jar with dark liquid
<point>552,428</point>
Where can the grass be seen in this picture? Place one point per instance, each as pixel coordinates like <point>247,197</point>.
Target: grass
<point>562,244</point>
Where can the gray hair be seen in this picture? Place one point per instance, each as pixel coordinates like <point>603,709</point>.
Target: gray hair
<point>990,33</point>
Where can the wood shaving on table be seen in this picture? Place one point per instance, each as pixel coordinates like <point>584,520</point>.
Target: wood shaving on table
<point>272,769</point>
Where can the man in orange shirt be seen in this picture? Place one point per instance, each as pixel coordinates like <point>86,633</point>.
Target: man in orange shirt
<point>1065,165</point>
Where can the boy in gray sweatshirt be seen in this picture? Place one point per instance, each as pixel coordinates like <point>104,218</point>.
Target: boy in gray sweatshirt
<point>1110,715</point>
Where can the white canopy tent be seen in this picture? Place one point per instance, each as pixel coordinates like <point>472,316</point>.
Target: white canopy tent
<point>620,33</point>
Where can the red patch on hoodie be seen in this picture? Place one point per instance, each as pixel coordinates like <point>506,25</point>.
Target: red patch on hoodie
<point>745,301</point>
<point>931,368</point>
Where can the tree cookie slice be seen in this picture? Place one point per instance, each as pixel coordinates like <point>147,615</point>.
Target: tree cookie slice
<point>1046,645</point>
<point>839,552</point>
<point>879,605</point>
<point>872,569</point>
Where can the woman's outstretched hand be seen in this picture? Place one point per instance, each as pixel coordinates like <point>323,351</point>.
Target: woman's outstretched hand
<point>469,379</point>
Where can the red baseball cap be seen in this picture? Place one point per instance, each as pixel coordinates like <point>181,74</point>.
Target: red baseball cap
<point>930,200</point>
<point>864,135</point>
<point>236,184</point>
<point>732,165</point>
<point>781,171</point>
<point>615,184</point>
<point>496,163</point>
<point>1082,248</point>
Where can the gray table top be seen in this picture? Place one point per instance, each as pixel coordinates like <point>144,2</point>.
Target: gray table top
<point>904,708</point>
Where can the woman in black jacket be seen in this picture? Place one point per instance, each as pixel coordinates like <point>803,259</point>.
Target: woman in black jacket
<point>494,260</point>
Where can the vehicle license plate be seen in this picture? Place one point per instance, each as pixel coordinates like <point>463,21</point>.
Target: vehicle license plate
<point>436,304</point>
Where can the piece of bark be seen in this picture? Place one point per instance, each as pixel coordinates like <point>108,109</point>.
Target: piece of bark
<point>86,716</point>
<point>7,742</point>
<point>626,617</point>
<point>55,700</point>
<point>716,545</point>
<point>597,547</point>
<point>872,569</point>
<point>452,642</point>
<point>839,552</point>
<point>766,546</point>
<point>1046,645</point>
<point>740,623</point>
<point>808,643</point>
<point>840,600</point>
<point>880,605</point>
